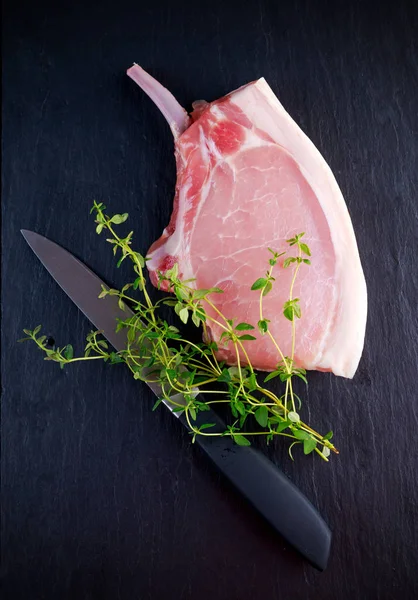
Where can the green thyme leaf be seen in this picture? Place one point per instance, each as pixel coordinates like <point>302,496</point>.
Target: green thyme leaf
<point>195,319</point>
<point>243,326</point>
<point>263,325</point>
<point>225,376</point>
<point>260,283</point>
<point>184,315</point>
<point>305,248</point>
<point>288,313</point>
<point>116,359</point>
<point>118,219</point>
<point>199,294</point>
<point>301,435</point>
<point>140,258</point>
<point>157,403</point>
<point>68,352</point>
<point>282,426</point>
<point>271,376</point>
<point>301,376</point>
<point>240,407</point>
<point>252,382</point>
<point>267,288</point>
<point>296,308</point>
<point>261,415</point>
<point>309,445</point>
<point>291,309</point>
<point>241,440</point>
<point>288,261</point>
<point>181,293</point>
<point>104,292</point>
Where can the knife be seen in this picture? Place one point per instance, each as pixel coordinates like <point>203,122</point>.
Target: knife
<point>267,488</point>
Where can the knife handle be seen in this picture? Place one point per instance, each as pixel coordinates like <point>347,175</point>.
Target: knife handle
<point>268,489</point>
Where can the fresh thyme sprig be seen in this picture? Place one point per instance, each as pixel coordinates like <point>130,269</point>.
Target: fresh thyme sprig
<point>157,351</point>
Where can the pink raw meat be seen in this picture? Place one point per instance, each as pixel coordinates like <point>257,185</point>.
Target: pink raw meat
<point>248,178</point>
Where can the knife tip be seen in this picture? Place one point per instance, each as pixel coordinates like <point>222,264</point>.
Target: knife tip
<point>27,234</point>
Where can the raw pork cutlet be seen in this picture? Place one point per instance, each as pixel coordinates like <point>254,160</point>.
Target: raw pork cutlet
<point>248,179</point>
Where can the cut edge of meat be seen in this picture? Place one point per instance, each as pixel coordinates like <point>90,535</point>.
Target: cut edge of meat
<point>342,349</point>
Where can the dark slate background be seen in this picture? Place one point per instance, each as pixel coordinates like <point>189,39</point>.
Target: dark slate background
<point>103,499</point>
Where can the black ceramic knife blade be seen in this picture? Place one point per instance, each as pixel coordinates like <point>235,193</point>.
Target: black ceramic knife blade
<point>280,502</point>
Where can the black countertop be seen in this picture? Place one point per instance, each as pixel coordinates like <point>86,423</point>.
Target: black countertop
<point>103,499</point>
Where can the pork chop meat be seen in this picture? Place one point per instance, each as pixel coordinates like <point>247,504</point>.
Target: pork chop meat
<point>248,179</point>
